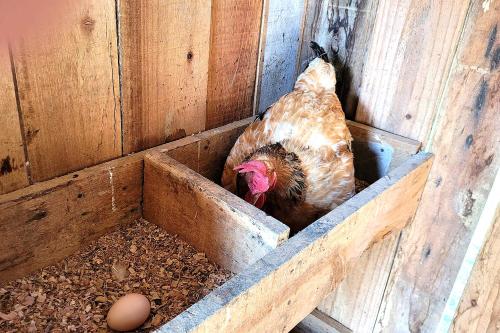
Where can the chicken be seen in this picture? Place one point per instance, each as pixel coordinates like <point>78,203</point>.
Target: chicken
<point>295,161</point>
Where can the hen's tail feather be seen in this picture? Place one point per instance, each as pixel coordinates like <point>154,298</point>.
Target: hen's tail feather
<point>319,51</point>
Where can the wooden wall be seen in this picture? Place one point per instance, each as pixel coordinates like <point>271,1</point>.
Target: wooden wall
<point>127,75</point>
<point>122,76</point>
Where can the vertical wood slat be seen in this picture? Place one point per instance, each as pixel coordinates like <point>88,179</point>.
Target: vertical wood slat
<point>234,45</point>
<point>165,52</point>
<point>344,29</point>
<point>283,20</point>
<point>479,309</point>
<point>69,91</point>
<point>465,140</point>
<point>407,64</point>
<point>13,173</point>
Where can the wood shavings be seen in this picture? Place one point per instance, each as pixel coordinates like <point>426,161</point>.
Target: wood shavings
<point>76,294</point>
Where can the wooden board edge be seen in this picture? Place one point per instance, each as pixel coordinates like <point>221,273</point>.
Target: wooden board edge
<point>399,142</point>
<point>272,231</point>
<point>251,295</point>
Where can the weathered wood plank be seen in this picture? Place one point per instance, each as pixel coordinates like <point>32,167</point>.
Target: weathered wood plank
<point>47,222</point>
<point>215,146</point>
<point>479,309</point>
<point>69,91</point>
<point>406,69</point>
<point>344,28</point>
<point>284,286</point>
<point>164,52</point>
<point>13,174</point>
<point>234,47</point>
<point>465,139</point>
<point>231,232</point>
<point>284,24</point>
<point>319,322</point>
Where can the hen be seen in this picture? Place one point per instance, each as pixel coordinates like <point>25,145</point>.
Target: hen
<point>295,160</point>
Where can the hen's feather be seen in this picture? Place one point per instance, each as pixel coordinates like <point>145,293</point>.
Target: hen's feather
<point>308,122</point>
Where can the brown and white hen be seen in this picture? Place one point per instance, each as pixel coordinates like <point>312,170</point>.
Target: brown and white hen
<point>295,161</point>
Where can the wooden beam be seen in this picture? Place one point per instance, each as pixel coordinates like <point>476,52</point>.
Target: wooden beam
<point>165,52</point>
<point>13,172</point>
<point>234,46</point>
<point>231,232</point>
<point>69,92</point>
<point>287,284</point>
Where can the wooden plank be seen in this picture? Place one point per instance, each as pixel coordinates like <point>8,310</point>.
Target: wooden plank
<point>51,220</point>
<point>356,301</point>
<point>407,64</point>
<point>234,46</point>
<point>215,146</point>
<point>47,222</point>
<point>69,91</point>
<point>164,55</point>
<point>344,28</point>
<point>231,232</point>
<point>284,287</point>
<point>479,309</point>
<point>465,139</point>
<point>283,21</point>
<point>13,173</point>
<point>319,322</point>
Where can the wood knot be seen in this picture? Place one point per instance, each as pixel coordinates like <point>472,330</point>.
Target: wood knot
<point>189,56</point>
<point>88,24</point>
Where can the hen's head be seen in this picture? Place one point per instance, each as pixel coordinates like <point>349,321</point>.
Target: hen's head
<point>258,179</point>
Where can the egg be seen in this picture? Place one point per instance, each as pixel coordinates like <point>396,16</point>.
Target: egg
<point>129,312</point>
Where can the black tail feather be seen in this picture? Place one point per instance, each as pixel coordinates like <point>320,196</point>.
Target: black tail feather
<point>319,51</point>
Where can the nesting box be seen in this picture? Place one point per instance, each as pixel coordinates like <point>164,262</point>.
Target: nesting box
<point>278,280</point>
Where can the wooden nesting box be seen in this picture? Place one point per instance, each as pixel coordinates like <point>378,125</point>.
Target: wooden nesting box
<point>278,281</point>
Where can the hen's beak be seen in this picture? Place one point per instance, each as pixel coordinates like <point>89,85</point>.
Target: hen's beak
<point>257,199</point>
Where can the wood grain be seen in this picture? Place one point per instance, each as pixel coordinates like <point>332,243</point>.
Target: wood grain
<point>283,21</point>
<point>284,286</point>
<point>465,139</point>
<point>479,309</point>
<point>234,46</point>
<point>47,222</point>
<point>13,173</point>
<point>232,233</point>
<point>51,220</point>
<point>408,60</point>
<point>164,52</point>
<point>319,322</point>
<point>344,28</point>
<point>69,91</point>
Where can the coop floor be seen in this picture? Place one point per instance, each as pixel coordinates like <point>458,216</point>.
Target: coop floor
<point>76,294</point>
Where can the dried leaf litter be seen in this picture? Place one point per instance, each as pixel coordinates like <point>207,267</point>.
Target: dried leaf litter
<point>76,294</point>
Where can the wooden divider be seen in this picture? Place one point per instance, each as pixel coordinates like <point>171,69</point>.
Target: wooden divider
<point>283,287</point>
<point>231,232</point>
